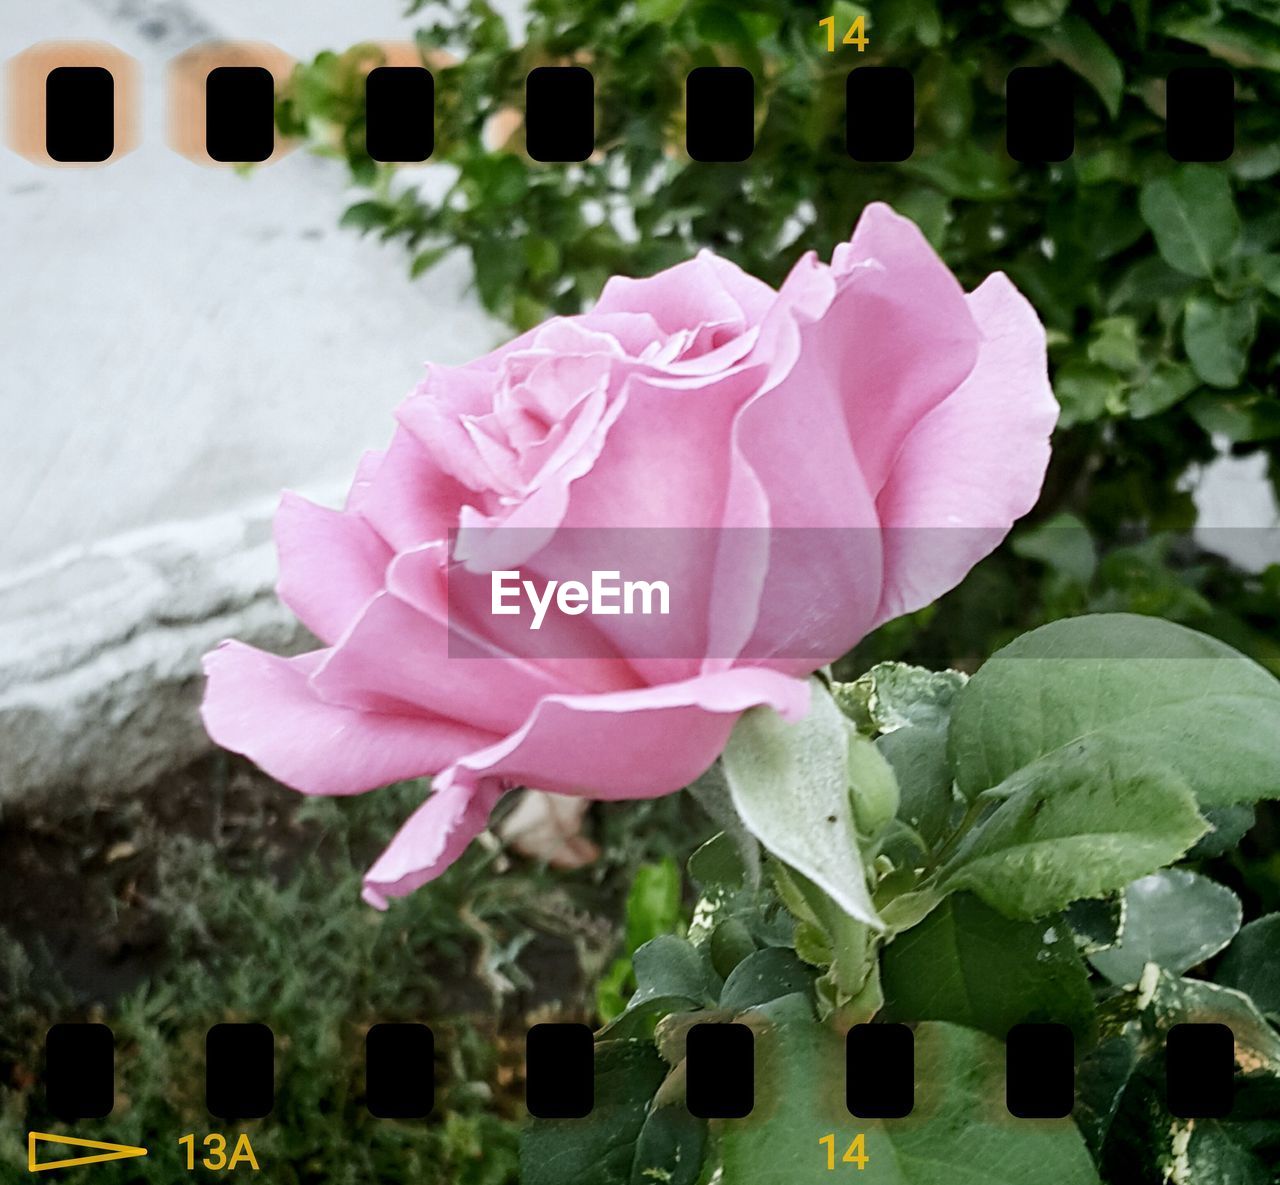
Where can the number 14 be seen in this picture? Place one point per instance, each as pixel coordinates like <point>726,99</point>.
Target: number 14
<point>857,34</point>
<point>856,1153</point>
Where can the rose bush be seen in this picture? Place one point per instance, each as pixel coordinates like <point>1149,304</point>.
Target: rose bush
<point>871,398</point>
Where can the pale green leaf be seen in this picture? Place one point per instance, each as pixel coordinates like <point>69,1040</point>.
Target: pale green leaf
<point>790,785</point>
<point>1080,823</point>
<point>1170,695</point>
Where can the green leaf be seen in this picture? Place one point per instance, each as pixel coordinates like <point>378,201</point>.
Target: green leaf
<point>711,792</point>
<point>1174,1000</point>
<point>956,1132</point>
<point>1240,42</point>
<point>1075,43</point>
<point>653,908</point>
<point>718,24</point>
<point>730,943</point>
<point>672,975</point>
<point>918,755</point>
<point>1081,822</point>
<point>1165,386</point>
<point>542,256</point>
<point>1230,825</point>
<point>1114,344</point>
<point>1217,335</point>
<point>1240,416</point>
<point>763,976</point>
<point>612,988</point>
<point>653,903</point>
<point>1101,1078</point>
<point>971,966</point>
<point>790,785</point>
<point>893,695</point>
<point>1268,272</point>
<point>365,216</point>
<point>1218,1153</point>
<point>497,265</point>
<point>627,1139</point>
<point>1193,216</point>
<point>1087,391</point>
<point>1252,964</point>
<point>718,865</point>
<point>424,261</point>
<point>1166,693</point>
<point>1062,543</point>
<point>1096,923</point>
<point>1174,918</point>
<point>964,170</point>
<point>661,12</point>
<point>671,1147</point>
<point>1035,14</point>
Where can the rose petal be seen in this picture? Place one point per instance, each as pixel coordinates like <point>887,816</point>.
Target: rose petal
<point>409,500</point>
<point>262,706</point>
<point>858,352</point>
<point>974,464</point>
<point>705,288</point>
<point>369,464</point>
<point>331,563</point>
<point>897,339</point>
<point>432,838</point>
<point>396,659</point>
<point>630,744</point>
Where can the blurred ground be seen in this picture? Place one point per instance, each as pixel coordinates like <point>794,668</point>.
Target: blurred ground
<point>218,895</point>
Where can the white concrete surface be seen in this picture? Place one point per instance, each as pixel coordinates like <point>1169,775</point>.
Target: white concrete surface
<point>179,337</point>
<point>180,343</point>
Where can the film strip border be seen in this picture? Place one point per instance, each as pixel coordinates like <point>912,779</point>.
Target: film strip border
<point>76,104</point>
<point>880,1081</point>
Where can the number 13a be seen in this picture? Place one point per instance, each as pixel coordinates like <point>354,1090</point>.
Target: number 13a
<point>856,1153</point>
<point>856,34</point>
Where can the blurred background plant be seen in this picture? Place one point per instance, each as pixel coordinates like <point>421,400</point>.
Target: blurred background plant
<point>1159,283</point>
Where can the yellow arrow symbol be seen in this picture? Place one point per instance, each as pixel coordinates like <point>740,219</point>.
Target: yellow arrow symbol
<point>104,1151</point>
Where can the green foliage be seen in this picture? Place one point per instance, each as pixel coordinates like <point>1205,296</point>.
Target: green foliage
<point>303,954</point>
<point>951,1131</point>
<point>1025,877</point>
<point>1134,1138</point>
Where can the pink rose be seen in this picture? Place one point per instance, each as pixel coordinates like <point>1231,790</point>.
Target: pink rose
<point>872,400</point>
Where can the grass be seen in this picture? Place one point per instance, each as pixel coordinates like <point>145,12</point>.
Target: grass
<point>268,926</point>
